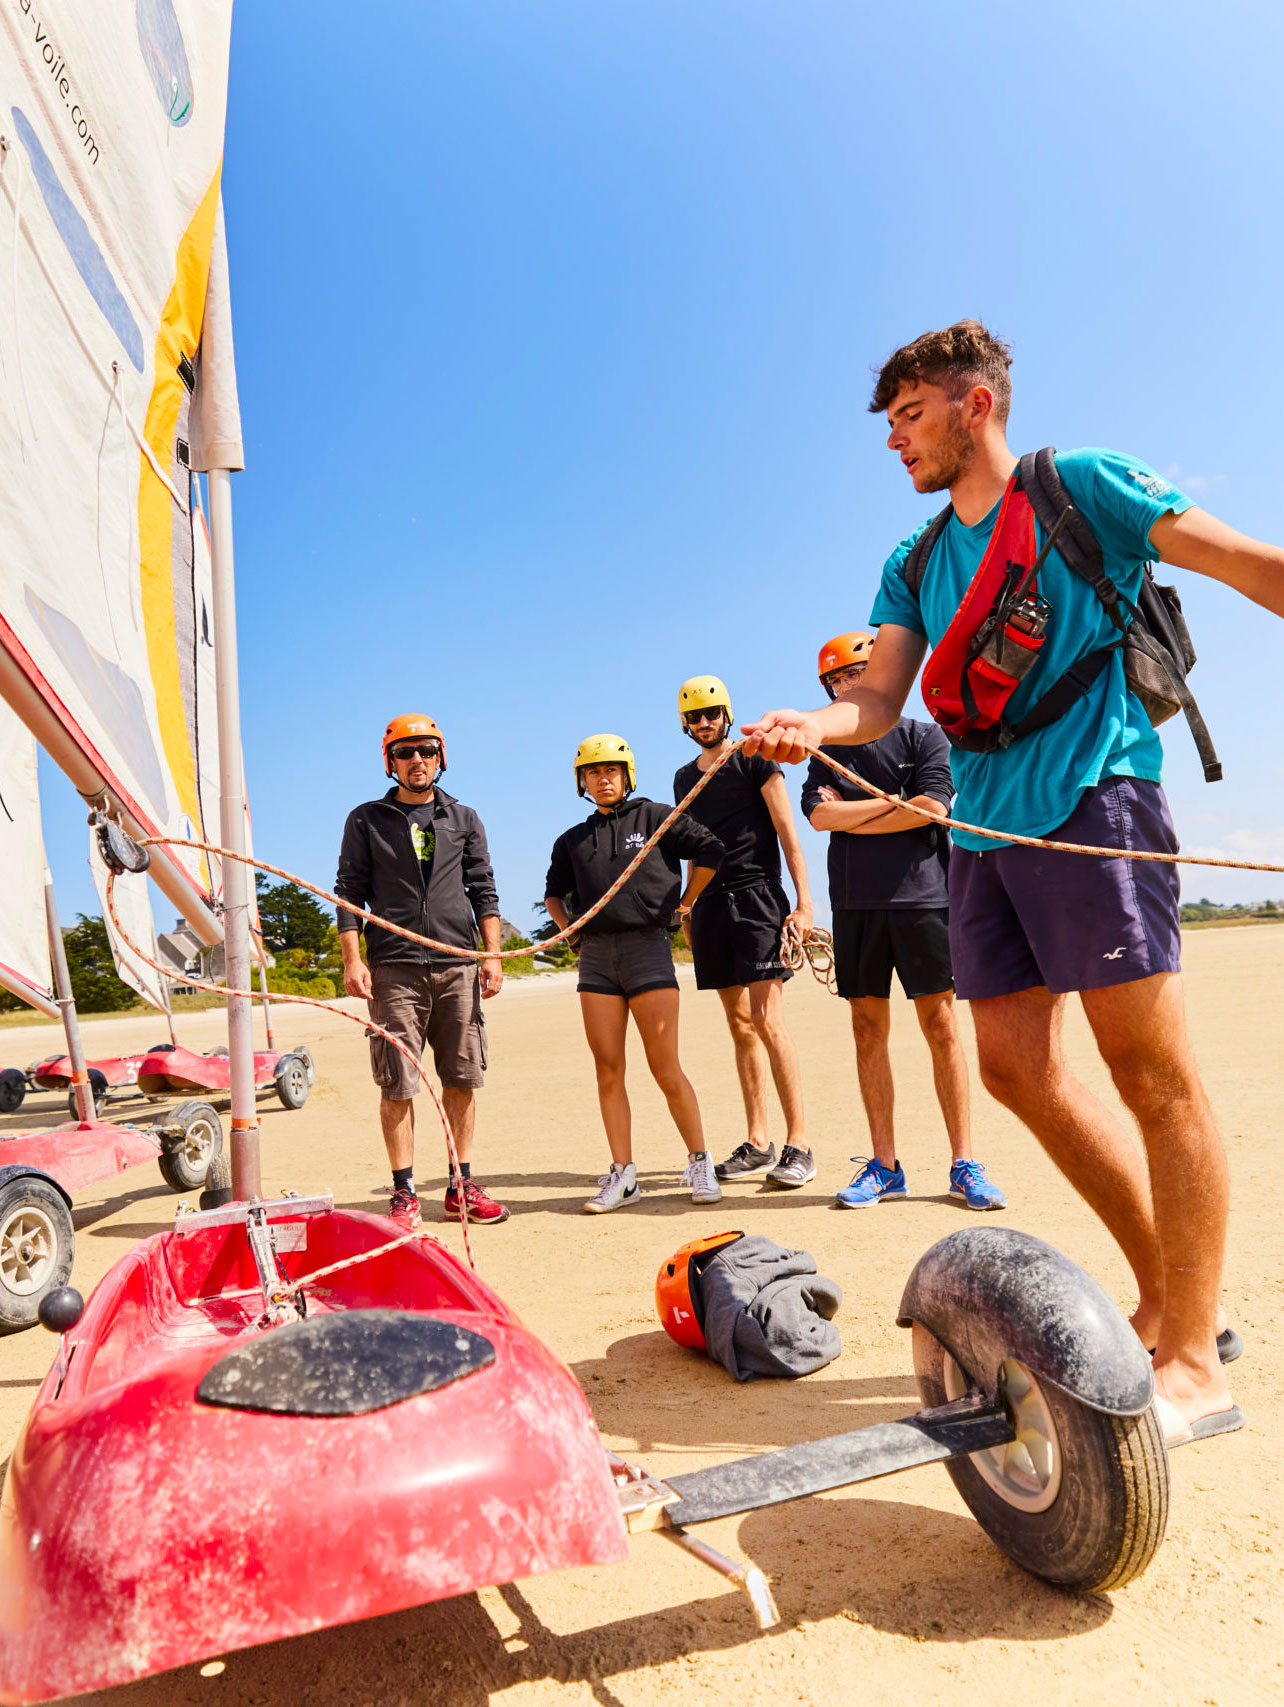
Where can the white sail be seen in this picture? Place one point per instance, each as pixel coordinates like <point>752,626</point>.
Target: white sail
<point>112,117</point>
<point>24,943</point>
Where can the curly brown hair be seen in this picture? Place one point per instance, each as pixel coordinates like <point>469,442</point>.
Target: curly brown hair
<point>956,359</point>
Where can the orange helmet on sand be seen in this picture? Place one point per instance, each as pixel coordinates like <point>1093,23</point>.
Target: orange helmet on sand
<point>841,653</point>
<point>405,728</point>
<point>673,1297</point>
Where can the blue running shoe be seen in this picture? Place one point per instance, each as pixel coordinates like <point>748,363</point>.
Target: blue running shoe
<point>871,1183</point>
<point>970,1181</point>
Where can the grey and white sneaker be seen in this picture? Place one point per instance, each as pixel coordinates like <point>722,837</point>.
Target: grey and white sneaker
<point>699,1175</point>
<point>620,1186</point>
<point>746,1159</point>
<point>795,1167</point>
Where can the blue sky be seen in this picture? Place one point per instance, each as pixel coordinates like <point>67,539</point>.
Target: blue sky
<point>554,331</point>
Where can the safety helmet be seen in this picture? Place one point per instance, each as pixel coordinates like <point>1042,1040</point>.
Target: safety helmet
<point>701,693</point>
<point>405,728</point>
<point>604,750</point>
<point>674,1298</point>
<point>841,653</point>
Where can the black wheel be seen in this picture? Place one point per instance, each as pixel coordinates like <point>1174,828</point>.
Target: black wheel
<point>305,1055</point>
<point>1080,1498</point>
<point>97,1084</point>
<point>218,1183</point>
<point>187,1155</point>
<point>13,1088</point>
<point>292,1082</point>
<point>37,1246</point>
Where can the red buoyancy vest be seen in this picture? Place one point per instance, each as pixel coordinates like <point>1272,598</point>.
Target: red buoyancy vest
<point>979,662</point>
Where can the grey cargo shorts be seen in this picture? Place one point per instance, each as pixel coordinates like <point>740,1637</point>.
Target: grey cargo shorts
<point>437,1005</point>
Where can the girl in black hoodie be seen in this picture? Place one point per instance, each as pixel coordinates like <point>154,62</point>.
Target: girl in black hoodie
<point>626,957</point>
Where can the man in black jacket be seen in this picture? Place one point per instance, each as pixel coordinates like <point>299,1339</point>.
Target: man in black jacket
<point>887,888</point>
<point>418,858</point>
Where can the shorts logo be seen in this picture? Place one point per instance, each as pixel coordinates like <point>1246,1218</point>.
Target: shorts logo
<point>1115,955</point>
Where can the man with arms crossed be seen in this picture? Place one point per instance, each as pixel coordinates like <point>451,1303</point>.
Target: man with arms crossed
<point>887,889</point>
<point>1026,926</point>
<point>419,859</point>
<point>734,929</point>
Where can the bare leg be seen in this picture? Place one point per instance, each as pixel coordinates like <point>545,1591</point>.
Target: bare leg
<point>397,1119</point>
<point>871,1027</point>
<point>751,1063</point>
<point>655,1013</point>
<point>939,1024</point>
<point>461,1111</point>
<point>1018,1039</point>
<point>1140,1029</point>
<point>606,1019</point>
<point>767,1006</point>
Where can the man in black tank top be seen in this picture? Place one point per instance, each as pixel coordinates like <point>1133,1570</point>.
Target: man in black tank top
<point>734,929</point>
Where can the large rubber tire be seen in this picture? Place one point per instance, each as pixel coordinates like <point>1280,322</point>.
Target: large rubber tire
<point>98,1085</point>
<point>1110,1510</point>
<point>13,1088</point>
<point>218,1183</point>
<point>37,1248</point>
<point>185,1161</point>
<point>292,1082</point>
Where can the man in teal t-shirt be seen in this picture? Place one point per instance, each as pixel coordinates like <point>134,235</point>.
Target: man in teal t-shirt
<point>1028,926</point>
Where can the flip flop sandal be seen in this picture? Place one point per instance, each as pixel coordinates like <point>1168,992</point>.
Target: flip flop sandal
<point>1229,1346</point>
<point>1179,1432</point>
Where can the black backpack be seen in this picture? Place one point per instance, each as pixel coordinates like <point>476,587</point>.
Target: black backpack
<point>1157,651</point>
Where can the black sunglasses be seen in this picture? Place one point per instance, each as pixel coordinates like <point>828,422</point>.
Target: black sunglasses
<point>714,714</point>
<point>425,750</point>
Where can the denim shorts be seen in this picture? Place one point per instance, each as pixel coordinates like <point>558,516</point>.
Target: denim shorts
<point>1024,917</point>
<point>626,963</point>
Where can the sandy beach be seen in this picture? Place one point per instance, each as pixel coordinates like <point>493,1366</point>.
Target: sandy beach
<point>891,1593</point>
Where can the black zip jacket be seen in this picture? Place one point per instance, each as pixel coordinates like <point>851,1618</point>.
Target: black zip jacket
<point>587,859</point>
<point>380,870</point>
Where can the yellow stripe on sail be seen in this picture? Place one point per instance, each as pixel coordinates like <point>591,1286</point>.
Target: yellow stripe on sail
<point>179,334</point>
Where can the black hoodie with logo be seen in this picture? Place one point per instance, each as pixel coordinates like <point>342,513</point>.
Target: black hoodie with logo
<point>587,859</point>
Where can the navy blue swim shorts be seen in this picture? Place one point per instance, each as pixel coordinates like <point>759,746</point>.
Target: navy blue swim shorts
<point>1022,917</point>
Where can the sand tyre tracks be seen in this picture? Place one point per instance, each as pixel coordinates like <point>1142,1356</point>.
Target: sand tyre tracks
<point>1090,1512</point>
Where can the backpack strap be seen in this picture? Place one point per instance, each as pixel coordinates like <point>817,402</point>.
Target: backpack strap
<point>1143,640</point>
<point>1079,546</point>
<point>915,564</point>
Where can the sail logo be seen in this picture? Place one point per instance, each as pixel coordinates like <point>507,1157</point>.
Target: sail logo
<point>56,65</point>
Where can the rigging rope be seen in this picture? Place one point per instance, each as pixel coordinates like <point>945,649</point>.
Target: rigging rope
<point>815,947</point>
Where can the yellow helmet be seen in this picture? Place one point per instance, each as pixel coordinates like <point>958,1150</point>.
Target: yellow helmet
<point>604,750</point>
<point>700,693</point>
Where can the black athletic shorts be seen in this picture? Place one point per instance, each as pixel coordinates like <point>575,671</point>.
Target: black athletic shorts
<point>735,936</point>
<point>626,963</point>
<point>869,942</point>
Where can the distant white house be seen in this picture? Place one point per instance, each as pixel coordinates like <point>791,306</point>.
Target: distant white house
<point>184,952</point>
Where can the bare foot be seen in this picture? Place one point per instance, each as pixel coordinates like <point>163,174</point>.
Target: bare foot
<point>1197,1389</point>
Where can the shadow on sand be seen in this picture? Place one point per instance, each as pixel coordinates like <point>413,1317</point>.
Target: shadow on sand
<point>899,1568</point>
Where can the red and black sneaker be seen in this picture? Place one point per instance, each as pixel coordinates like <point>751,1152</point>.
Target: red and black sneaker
<point>480,1207</point>
<point>404,1210</point>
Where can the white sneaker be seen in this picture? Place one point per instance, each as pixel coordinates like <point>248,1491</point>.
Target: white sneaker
<point>699,1175</point>
<point>619,1186</point>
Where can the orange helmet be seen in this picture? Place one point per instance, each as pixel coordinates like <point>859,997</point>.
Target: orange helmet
<point>407,726</point>
<point>841,653</point>
<point>674,1301</point>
